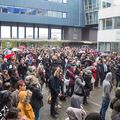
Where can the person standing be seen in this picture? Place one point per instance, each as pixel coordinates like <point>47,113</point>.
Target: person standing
<point>118,76</point>
<point>54,90</point>
<point>22,69</point>
<point>107,88</point>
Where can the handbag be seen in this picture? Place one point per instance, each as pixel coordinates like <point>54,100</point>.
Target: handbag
<point>49,99</point>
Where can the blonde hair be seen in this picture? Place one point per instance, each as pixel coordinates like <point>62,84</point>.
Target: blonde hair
<point>28,97</point>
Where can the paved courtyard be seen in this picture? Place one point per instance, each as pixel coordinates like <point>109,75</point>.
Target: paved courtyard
<point>93,106</point>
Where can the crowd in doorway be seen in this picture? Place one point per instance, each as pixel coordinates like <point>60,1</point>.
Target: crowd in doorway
<point>65,72</point>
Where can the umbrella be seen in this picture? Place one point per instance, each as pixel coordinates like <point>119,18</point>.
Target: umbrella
<point>89,68</point>
<point>87,60</point>
<point>104,54</point>
<point>81,52</point>
<point>9,55</point>
<point>15,49</point>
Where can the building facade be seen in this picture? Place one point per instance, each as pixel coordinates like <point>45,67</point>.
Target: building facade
<point>45,19</point>
<point>109,27</point>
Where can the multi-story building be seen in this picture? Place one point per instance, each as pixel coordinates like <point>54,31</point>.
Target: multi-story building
<point>36,19</point>
<point>109,26</point>
<point>91,19</point>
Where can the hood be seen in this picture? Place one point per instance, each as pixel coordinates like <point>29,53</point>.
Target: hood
<point>75,113</point>
<point>76,76</point>
<point>22,95</point>
<point>108,76</point>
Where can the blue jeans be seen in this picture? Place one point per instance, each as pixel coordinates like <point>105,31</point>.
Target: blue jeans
<point>104,107</point>
<point>37,113</point>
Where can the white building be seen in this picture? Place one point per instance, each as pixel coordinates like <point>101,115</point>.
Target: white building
<point>109,26</point>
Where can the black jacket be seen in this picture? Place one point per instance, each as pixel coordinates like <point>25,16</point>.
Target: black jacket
<point>36,99</point>
<point>54,85</point>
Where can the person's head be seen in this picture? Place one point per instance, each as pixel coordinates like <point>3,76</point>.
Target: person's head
<point>5,72</point>
<point>5,98</point>
<point>108,76</point>
<point>21,85</point>
<point>7,86</point>
<point>75,113</point>
<point>93,116</point>
<point>117,93</point>
<point>5,60</point>
<point>14,114</point>
<point>57,72</point>
<point>81,73</point>
<point>22,61</point>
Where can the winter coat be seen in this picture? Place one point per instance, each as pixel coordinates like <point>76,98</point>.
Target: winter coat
<point>107,86</point>
<point>54,85</point>
<point>25,108</point>
<point>76,101</point>
<point>79,85</point>
<point>36,99</point>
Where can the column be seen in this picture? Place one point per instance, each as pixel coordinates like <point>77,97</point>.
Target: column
<point>38,33</point>
<point>33,31</point>
<point>0,30</point>
<point>25,32</point>
<point>49,32</point>
<point>0,37</point>
<point>62,33</point>
<point>11,31</point>
<point>17,31</point>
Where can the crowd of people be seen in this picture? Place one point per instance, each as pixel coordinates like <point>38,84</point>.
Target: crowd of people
<point>66,71</point>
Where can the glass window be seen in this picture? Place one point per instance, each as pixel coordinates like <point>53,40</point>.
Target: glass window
<point>56,34</point>
<point>54,14</point>
<point>29,32</point>
<point>43,33</point>
<point>21,32</point>
<point>0,9</point>
<point>39,12</point>
<point>64,1</point>
<point>59,1</point>
<point>117,23</point>
<point>87,18</point>
<point>109,23</point>
<point>103,24</point>
<point>90,4</point>
<point>64,15</point>
<point>50,14</point>
<point>36,33</point>
<point>59,14</point>
<point>90,18</point>
<point>5,31</point>
<point>4,10</point>
<point>14,32</point>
